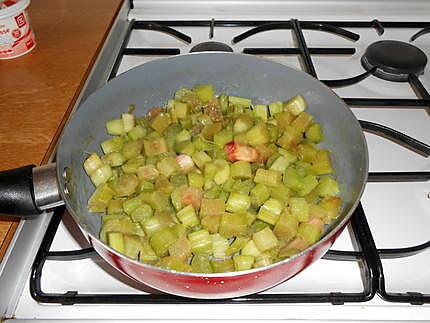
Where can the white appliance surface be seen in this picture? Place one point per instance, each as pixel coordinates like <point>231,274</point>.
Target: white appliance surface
<point>398,213</point>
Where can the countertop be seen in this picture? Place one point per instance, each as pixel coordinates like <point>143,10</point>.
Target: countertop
<point>37,90</point>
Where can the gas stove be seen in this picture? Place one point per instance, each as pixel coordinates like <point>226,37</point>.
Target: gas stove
<point>374,56</point>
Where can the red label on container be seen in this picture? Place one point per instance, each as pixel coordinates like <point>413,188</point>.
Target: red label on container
<point>16,33</point>
<point>20,20</point>
<point>29,43</point>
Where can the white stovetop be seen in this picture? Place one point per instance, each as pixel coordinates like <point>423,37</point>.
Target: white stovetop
<point>398,214</point>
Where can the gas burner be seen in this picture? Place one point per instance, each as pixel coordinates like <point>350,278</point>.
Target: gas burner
<point>211,46</point>
<point>394,60</point>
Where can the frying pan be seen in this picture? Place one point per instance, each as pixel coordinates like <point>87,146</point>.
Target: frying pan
<point>29,190</point>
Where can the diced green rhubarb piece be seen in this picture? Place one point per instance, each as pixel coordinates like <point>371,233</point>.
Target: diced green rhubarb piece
<point>237,245</point>
<point>211,223</point>
<point>263,260</point>
<point>116,241</point>
<point>242,123</point>
<point>120,224</point>
<point>131,149</point>
<point>238,202</point>
<point>174,263</point>
<point>133,165</point>
<point>260,111</point>
<point>128,121</point>
<point>201,242</point>
<point>265,239</point>
<point>258,135</point>
<point>100,199</point>
<point>188,216</point>
<point>302,122</point>
<point>137,132</point>
<point>114,159</point>
<point>233,225</point>
<point>259,194</point>
<point>141,213</point>
<point>125,185</point>
<point>280,164</point>
<point>114,206</point>
<point>113,144</point>
<point>327,186</point>
<point>132,245</point>
<point>241,170</point>
<point>243,262</point>
<point>115,127</point>
<point>101,175</point>
<point>314,133</point>
<point>210,207</point>
<point>205,92</point>
<point>250,249</point>
<point>269,212</point>
<point>167,166</point>
<point>223,137</point>
<point>201,264</point>
<point>219,246</point>
<point>238,101</point>
<point>243,187</point>
<point>308,232</point>
<point>286,227</point>
<point>299,208</point>
<point>180,109</point>
<point>161,240</point>
<point>155,146</point>
<point>222,266</point>
<point>284,119</point>
<point>293,180</point>
<point>270,178</point>
<point>280,192</point>
<point>295,105</point>
<point>309,183</point>
<point>290,138</point>
<point>181,248</point>
<point>92,163</point>
<point>200,158</point>
<point>275,107</point>
<point>322,164</point>
<point>195,179</point>
<point>131,204</point>
<point>148,173</point>
<point>161,122</point>
<point>223,174</point>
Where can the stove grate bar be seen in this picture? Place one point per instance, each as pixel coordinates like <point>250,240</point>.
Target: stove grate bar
<point>296,51</point>
<point>397,137</point>
<point>385,177</point>
<point>348,81</point>
<point>304,51</point>
<point>382,102</point>
<point>149,25</point>
<point>151,51</point>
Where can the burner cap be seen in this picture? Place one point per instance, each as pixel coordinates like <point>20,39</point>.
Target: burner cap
<point>211,46</point>
<point>394,60</point>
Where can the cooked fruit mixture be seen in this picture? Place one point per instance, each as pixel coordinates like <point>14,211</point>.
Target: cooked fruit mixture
<point>212,184</point>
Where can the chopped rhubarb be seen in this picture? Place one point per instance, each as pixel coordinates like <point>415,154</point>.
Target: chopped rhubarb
<point>236,151</point>
<point>192,196</point>
<point>185,162</point>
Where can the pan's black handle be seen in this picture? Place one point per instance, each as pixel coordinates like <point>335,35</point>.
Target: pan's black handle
<point>29,190</point>
<point>17,192</point>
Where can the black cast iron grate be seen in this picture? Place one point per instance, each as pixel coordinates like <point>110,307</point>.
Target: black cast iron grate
<point>367,255</point>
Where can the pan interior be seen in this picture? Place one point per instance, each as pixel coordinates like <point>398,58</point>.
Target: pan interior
<point>153,83</point>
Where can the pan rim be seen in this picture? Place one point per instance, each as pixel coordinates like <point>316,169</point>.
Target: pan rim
<point>314,246</point>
